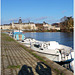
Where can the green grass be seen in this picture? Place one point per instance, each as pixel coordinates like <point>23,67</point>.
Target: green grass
<point>58,72</point>
<point>13,66</point>
<point>5,49</point>
<point>7,37</point>
<point>62,74</point>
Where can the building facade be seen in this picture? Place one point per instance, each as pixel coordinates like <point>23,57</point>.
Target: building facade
<point>27,26</point>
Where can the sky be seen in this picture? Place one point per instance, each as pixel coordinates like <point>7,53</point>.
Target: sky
<point>37,11</point>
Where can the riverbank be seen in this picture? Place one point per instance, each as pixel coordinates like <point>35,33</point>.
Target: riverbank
<point>51,30</point>
<point>34,30</point>
<point>15,55</point>
<point>40,31</point>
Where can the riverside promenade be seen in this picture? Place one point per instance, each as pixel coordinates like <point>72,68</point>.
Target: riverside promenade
<point>17,59</point>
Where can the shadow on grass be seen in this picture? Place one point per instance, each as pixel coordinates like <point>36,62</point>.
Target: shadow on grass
<point>41,69</point>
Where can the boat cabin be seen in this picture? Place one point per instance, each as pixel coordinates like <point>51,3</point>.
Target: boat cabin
<point>19,36</point>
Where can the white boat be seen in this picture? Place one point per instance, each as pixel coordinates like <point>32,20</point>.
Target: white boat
<point>72,63</point>
<point>28,41</point>
<point>52,50</point>
<point>10,34</point>
<point>72,66</point>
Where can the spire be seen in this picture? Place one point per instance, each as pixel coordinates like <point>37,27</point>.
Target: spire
<point>44,22</point>
<point>20,21</point>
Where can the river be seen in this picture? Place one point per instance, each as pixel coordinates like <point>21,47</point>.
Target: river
<point>63,38</point>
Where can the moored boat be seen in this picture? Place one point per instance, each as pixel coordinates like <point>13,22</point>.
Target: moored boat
<point>52,50</point>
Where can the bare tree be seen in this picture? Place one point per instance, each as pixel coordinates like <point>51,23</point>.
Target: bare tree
<point>67,23</point>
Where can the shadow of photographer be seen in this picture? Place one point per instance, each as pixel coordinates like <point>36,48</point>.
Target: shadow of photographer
<point>41,69</point>
<point>26,70</point>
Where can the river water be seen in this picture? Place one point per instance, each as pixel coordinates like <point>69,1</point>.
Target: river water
<point>63,38</point>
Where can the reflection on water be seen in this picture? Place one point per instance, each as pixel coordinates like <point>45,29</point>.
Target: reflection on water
<point>61,37</point>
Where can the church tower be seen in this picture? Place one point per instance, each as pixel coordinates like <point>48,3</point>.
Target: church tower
<point>20,21</point>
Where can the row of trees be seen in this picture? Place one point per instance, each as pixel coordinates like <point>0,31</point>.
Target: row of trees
<point>67,24</point>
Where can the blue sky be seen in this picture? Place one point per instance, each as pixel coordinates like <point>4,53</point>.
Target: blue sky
<point>36,11</point>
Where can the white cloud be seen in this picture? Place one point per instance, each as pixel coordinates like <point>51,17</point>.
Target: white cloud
<point>15,19</point>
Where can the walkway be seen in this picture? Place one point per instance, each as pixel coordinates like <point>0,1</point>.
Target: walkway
<point>13,57</point>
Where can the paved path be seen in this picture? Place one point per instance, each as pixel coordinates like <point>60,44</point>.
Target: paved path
<point>13,57</point>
